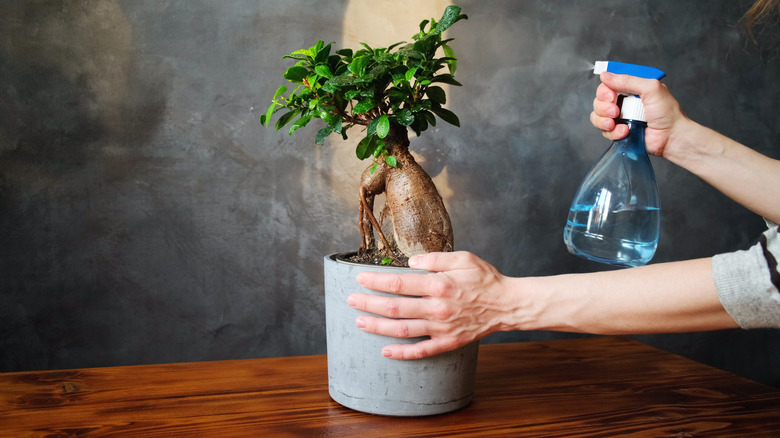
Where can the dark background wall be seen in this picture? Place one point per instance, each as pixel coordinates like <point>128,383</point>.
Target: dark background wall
<point>145,216</point>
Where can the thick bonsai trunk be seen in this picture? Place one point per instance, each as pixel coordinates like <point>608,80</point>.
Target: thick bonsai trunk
<point>420,222</point>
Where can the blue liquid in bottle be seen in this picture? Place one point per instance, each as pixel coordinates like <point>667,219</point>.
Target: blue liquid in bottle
<point>615,217</point>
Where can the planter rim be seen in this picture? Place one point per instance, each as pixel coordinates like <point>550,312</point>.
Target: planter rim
<point>338,258</point>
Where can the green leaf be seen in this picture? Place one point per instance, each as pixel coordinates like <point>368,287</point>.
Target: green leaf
<point>429,117</point>
<point>362,148</point>
<point>316,48</point>
<point>327,113</point>
<point>266,118</point>
<point>279,91</point>
<point>379,149</point>
<point>419,125</point>
<point>410,74</point>
<point>341,81</point>
<point>323,70</point>
<point>447,115</point>
<point>396,95</point>
<point>373,168</point>
<point>405,117</point>
<point>383,126</point>
<point>409,52</point>
<point>322,54</point>
<point>447,79</point>
<point>395,45</point>
<point>300,123</point>
<point>453,62</point>
<point>328,87</point>
<point>296,73</point>
<point>451,16</point>
<point>425,45</point>
<point>333,126</point>
<point>371,128</point>
<point>337,125</point>
<point>387,261</point>
<point>285,119</point>
<point>437,94</point>
<point>347,53</point>
<point>368,145</point>
<point>321,134</point>
<point>363,107</point>
<point>303,54</point>
<point>358,65</point>
<point>391,161</point>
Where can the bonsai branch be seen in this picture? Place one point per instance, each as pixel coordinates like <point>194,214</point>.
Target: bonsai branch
<point>369,212</point>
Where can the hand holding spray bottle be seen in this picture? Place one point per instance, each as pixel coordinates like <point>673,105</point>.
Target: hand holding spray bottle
<point>615,217</point>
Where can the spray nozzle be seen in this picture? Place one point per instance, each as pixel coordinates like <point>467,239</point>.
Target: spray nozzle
<point>631,107</point>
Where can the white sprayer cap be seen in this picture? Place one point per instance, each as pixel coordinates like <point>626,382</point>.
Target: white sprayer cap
<point>632,108</point>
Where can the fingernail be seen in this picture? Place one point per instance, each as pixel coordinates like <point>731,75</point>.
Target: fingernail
<point>386,352</point>
<point>351,301</point>
<point>361,323</point>
<point>414,260</point>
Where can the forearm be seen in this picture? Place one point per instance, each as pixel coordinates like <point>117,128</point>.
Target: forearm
<point>739,172</point>
<point>662,298</point>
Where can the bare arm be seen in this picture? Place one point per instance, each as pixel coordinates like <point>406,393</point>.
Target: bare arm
<point>469,300</point>
<point>661,298</point>
<point>739,172</point>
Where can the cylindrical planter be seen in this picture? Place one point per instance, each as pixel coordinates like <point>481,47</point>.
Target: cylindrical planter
<point>360,378</point>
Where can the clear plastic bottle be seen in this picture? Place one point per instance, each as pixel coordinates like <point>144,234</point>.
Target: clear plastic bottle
<point>615,217</point>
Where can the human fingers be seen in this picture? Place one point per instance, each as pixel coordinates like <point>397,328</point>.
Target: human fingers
<point>609,129</point>
<point>401,284</point>
<point>396,328</point>
<point>606,94</point>
<point>391,307</point>
<point>601,121</point>
<point>422,349</point>
<point>628,84</point>
<point>606,109</point>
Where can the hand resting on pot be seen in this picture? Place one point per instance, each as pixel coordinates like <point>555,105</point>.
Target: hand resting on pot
<point>464,302</point>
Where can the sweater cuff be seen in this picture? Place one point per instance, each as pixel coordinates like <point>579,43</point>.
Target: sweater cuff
<point>745,289</point>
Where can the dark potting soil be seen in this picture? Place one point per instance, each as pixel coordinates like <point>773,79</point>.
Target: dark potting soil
<point>375,257</point>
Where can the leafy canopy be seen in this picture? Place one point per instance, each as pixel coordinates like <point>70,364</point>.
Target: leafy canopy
<point>372,87</point>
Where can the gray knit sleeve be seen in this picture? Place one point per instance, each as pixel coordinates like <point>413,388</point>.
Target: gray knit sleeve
<point>748,282</point>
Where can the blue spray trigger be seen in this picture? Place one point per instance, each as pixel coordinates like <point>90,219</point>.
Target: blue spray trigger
<point>622,68</point>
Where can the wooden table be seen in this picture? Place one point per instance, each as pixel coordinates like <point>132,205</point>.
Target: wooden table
<point>602,386</point>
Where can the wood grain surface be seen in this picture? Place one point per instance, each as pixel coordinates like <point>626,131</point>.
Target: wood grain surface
<point>603,386</point>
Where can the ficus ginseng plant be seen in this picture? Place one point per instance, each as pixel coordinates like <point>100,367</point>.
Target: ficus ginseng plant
<point>387,91</point>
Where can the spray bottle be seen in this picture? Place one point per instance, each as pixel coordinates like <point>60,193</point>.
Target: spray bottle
<point>615,217</point>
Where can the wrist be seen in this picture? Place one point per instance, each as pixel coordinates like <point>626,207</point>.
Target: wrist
<point>542,303</point>
<point>689,143</point>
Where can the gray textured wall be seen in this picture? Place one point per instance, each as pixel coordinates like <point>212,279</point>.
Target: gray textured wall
<point>145,216</point>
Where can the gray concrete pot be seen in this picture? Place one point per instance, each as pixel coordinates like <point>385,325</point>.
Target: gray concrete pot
<point>360,378</point>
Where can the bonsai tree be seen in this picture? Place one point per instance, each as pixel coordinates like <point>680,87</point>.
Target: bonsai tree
<point>386,92</point>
